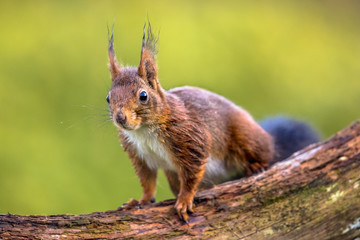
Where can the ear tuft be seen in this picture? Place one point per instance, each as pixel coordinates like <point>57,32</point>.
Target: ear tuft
<point>147,69</point>
<point>114,66</point>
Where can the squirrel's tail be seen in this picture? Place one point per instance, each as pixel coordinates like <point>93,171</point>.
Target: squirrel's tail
<point>289,135</point>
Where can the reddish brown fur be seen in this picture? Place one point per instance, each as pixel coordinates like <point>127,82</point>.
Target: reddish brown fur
<point>192,127</point>
<point>146,175</point>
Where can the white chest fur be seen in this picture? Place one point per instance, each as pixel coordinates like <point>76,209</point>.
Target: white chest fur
<point>150,149</point>
<point>216,172</point>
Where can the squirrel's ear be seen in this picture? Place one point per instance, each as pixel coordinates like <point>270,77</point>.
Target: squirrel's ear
<point>147,69</point>
<point>114,66</point>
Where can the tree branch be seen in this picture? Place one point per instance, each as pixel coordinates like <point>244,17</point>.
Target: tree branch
<point>314,194</point>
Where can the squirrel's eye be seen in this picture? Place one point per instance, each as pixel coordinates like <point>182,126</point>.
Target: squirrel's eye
<point>108,99</point>
<point>143,96</point>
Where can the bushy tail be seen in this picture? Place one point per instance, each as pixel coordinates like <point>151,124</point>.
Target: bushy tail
<point>289,135</point>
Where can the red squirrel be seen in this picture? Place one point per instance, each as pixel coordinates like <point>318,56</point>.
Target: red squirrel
<point>196,137</point>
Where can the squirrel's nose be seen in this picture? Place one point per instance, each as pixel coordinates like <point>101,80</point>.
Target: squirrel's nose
<point>120,118</point>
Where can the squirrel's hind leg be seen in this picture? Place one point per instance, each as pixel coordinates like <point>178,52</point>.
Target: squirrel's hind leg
<point>251,147</point>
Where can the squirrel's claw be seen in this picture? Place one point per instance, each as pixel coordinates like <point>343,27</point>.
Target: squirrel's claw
<point>182,209</point>
<point>135,204</point>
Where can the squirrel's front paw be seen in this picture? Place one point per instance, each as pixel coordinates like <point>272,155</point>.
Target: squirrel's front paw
<point>135,204</point>
<point>183,206</point>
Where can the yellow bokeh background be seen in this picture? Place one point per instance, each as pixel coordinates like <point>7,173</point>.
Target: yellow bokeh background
<point>59,154</point>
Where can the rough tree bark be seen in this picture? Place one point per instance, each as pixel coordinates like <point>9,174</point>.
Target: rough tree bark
<point>315,194</point>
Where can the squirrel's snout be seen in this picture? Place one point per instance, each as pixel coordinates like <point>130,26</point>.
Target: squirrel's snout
<point>120,118</point>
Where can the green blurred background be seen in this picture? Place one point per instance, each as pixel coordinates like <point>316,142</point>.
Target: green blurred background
<point>59,154</point>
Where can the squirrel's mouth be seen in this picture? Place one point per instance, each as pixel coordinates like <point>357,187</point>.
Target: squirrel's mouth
<point>122,125</point>
<point>125,126</point>
<point>125,121</point>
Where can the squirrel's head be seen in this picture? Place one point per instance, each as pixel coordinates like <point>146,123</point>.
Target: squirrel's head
<point>136,97</point>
